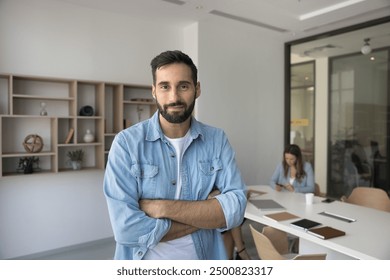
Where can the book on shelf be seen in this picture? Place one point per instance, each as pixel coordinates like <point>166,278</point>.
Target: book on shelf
<point>127,123</point>
<point>326,232</point>
<point>281,216</point>
<point>69,136</point>
<point>305,224</point>
<point>266,204</point>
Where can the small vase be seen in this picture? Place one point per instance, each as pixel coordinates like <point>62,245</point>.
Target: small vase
<point>88,136</point>
<point>76,165</point>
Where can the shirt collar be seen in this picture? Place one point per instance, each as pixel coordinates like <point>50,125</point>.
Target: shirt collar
<point>154,130</point>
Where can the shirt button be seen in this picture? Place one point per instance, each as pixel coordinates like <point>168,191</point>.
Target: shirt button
<point>173,182</point>
<point>212,169</point>
<point>172,155</point>
<point>140,253</point>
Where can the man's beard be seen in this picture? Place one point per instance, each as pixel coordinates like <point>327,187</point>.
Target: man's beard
<point>176,117</point>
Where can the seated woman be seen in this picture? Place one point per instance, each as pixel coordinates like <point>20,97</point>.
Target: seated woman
<point>234,243</point>
<point>293,174</point>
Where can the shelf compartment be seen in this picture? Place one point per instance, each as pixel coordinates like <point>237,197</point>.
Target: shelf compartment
<point>108,139</point>
<point>91,94</point>
<point>113,110</point>
<point>94,124</point>
<point>93,154</point>
<point>138,104</point>
<point>66,130</point>
<point>40,86</point>
<point>132,93</point>
<point>32,106</point>
<point>134,113</point>
<point>11,164</point>
<point>12,139</point>
<point>4,94</point>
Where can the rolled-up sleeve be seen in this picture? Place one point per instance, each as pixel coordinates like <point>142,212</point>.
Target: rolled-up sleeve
<point>133,229</point>
<point>233,190</point>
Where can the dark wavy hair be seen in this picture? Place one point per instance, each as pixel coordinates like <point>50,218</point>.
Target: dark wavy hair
<point>169,57</point>
<point>296,151</point>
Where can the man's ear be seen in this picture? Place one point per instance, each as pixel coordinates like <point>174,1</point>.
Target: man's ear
<point>154,92</point>
<point>197,90</point>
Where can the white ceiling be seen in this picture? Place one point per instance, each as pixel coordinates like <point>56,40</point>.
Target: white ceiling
<point>280,16</point>
<point>346,43</point>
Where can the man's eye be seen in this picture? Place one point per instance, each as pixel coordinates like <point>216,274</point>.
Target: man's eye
<point>184,87</point>
<point>164,87</point>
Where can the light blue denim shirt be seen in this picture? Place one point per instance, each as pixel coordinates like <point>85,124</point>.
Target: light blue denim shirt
<point>142,165</point>
<point>305,186</point>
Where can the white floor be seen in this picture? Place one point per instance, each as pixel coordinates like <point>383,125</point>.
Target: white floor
<point>104,249</point>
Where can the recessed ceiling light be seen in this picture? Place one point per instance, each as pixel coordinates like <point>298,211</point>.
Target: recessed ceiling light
<point>329,9</point>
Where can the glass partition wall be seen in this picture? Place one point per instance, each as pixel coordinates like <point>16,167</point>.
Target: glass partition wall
<point>359,120</point>
<point>338,105</point>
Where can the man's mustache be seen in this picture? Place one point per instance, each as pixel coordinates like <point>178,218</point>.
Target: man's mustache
<point>174,104</point>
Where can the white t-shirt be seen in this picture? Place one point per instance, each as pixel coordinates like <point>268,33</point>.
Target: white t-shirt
<point>181,248</point>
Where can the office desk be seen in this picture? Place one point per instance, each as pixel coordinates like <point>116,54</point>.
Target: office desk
<point>367,238</point>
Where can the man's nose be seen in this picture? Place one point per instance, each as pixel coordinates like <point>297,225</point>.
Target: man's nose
<point>173,94</point>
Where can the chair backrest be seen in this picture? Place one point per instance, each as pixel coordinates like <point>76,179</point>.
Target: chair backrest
<point>311,257</point>
<point>278,238</point>
<point>370,197</point>
<point>264,246</point>
<point>267,251</point>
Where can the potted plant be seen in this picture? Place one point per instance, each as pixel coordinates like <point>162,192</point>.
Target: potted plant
<point>26,164</point>
<point>75,158</point>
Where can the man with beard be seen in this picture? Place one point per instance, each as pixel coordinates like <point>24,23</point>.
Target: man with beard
<point>161,171</point>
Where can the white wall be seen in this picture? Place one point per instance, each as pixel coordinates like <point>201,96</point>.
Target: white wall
<point>53,38</point>
<point>241,74</point>
<point>44,212</point>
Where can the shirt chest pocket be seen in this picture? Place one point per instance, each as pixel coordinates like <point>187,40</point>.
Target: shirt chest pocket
<point>209,171</point>
<point>146,176</point>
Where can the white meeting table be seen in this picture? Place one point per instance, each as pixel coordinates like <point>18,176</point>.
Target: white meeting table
<point>367,238</point>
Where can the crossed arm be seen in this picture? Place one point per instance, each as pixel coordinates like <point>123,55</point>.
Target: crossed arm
<point>186,216</point>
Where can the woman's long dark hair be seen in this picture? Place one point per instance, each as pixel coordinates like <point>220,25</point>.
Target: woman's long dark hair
<point>296,151</point>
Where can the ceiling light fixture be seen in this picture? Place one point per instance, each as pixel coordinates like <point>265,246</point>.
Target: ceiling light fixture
<point>366,49</point>
<point>329,9</point>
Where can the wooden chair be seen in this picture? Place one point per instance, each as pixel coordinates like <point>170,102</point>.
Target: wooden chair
<point>284,243</point>
<point>278,239</point>
<point>369,197</point>
<point>317,191</point>
<point>268,251</point>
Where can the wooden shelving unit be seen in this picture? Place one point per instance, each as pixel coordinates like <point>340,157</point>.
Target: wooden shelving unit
<point>115,106</point>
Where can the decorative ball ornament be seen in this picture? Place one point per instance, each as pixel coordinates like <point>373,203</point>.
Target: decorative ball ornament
<point>33,143</point>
